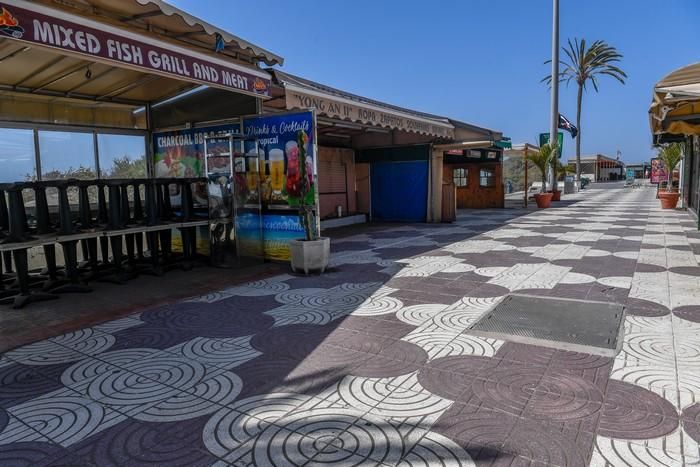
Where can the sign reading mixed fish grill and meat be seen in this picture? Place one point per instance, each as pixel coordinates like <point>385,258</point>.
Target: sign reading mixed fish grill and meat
<point>37,24</point>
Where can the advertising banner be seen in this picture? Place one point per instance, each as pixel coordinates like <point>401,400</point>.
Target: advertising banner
<point>658,171</point>
<point>37,24</point>
<point>180,153</point>
<point>279,155</point>
<point>544,139</point>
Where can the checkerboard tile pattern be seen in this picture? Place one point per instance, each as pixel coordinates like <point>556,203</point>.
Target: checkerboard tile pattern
<point>369,364</point>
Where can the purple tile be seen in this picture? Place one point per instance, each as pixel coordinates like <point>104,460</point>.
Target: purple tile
<point>530,354</point>
<point>480,431</point>
<point>136,443</point>
<point>639,307</point>
<point>692,413</point>
<point>31,454</point>
<point>549,444</point>
<point>151,336</point>
<point>19,383</point>
<point>625,395</point>
<point>687,270</point>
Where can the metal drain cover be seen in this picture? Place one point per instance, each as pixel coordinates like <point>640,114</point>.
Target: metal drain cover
<point>576,325</point>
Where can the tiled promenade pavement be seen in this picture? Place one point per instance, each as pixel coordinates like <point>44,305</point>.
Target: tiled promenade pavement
<point>368,364</point>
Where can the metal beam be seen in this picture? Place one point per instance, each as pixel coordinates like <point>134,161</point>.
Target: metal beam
<point>98,76</point>
<point>41,69</point>
<point>63,76</point>
<point>16,52</point>
<point>148,14</point>
<point>131,85</point>
<point>89,97</point>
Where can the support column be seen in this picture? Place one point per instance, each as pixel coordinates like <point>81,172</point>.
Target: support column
<point>435,192</point>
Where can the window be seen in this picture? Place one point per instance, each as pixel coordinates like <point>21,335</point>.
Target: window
<point>459,176</point>
<point>487,177</point>
<point>121,156</point>
<point>17,158</point>
<point>66,155</point>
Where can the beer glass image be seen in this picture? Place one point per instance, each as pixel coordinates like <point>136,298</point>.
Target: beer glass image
<point>251,172</point>
<point>277,172</point>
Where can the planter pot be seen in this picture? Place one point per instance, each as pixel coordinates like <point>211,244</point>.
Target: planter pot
<point>543,200</point>
<point>310,256</point>
<point>556,195</point>
<point>669,200</point>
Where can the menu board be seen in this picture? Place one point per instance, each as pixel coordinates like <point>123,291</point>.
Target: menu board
<point>658,171</point>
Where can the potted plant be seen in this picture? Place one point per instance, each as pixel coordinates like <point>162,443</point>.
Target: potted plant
<point>542,159</point>
<point>670,154</point>
<point>560,170</point>
<point>311,253</point>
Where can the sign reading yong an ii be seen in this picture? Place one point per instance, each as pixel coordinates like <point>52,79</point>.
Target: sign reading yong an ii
<point>358,113</point>
<point>113,45</point>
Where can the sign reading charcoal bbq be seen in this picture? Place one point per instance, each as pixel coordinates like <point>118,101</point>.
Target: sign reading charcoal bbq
<point>344,110</point>
<point>40,25</point>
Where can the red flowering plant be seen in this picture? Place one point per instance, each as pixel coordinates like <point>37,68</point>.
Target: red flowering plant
<point>303,185</point>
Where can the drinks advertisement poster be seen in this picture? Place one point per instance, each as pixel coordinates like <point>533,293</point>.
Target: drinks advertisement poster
<point>279,171</point>
<point>658,171</point>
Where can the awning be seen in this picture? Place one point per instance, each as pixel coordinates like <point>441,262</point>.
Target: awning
<point>521,150</point>
<point>112,51</point>
<point>675,107</point>
<point>300,93</point>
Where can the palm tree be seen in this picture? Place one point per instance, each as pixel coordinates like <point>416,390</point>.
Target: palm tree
<point>542,159</point>
<point>584,65</point>
<point>671,155</point>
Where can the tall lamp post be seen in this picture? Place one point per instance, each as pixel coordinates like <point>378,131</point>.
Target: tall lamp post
<point>554,127</point>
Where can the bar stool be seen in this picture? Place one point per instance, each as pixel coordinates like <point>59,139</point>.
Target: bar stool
<point>152,220</point>
<point>138,217</point>
<point>165,214</point>
<point>4,229</point>
<point>103,220</point>
<point>115,222</point>
<point>188,234</point>
<point>44,227</point>
<point>87,225</point>
<point>69,245</point>
<point>18,238</point>
<point>125,218</point>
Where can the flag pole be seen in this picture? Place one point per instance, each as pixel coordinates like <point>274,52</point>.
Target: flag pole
<point>554,128</point>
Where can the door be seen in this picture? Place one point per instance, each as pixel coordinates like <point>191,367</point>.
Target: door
<point>235,226</point>
<point>399,191</point>
<point>478,185</point>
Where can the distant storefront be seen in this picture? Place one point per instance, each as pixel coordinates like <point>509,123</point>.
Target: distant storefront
<point>673,117</point>
<point>380,160</point>
<point>600,168</point>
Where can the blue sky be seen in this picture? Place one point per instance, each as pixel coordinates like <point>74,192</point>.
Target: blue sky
<point>479,61</point>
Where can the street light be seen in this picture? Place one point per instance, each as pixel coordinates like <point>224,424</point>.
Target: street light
<point>554,128</point>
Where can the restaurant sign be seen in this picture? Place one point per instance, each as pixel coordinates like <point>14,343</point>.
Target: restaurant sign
<point>345,109</point>
<point>37,24</point>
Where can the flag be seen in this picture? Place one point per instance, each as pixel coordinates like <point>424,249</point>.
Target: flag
<point>220,44</point>
<point>565,124</point>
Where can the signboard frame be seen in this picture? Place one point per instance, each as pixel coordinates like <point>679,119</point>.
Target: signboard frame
<point>658,172</point>
<point>86,38</point>
<point>544,139</point>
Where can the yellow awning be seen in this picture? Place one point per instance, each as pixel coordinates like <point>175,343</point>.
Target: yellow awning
<point>675,106</point>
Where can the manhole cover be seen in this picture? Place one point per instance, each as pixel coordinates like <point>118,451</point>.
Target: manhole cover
<point>577,325</point>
